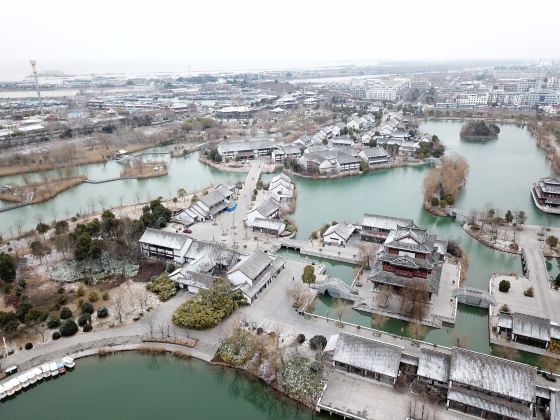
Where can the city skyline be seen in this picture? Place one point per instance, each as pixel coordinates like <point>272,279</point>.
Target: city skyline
<point>218,36</point>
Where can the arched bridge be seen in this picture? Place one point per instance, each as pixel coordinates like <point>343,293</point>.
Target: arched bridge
<point>336,288</point>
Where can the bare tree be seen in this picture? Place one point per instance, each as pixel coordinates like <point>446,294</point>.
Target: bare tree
<point>340,309</point>
<point>119,307</point>
<point>416,330</point>
<point>415,297</point>
<point>298,294</point>
<point>150,324</point>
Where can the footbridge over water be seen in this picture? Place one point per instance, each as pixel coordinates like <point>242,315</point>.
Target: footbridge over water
<point>457,214</point>
<point>337,289</point>
<point>474,297</point>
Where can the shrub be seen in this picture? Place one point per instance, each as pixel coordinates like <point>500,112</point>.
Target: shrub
<point>7,267</point>
<point>170,267</point>
<point>529,292</point>
<point>28,346</point>
<point>93,297</point>
<point>105,295</point>
<point>163,286</point>
<point>62,299</point>
<point>504,286</point>
<point>209,307</point>
<point>552,241</point>
<point>81,291</point>
<point>65,313</point>
<point>56,335</point>
<point>505,309</point>
<point>83,319</point>
<point>68,328</point>
<point>434,202</point>
<point>102,312</point>
<point>36,315</point>
<point>86,308</point>
<point>87,328</point>
<point>300,338</point>
<point>318,342</point>
<point>53,321</point>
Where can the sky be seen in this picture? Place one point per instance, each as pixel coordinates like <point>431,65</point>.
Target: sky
<point>164,35</point>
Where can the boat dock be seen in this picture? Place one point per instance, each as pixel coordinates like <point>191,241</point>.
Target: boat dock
<point>16,382</point>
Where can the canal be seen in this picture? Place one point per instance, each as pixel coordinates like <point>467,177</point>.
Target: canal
<point>186,172</point>
<point>501,174</point>
<point>133,386</point>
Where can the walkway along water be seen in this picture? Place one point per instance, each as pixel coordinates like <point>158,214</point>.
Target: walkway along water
<point>396,192</point>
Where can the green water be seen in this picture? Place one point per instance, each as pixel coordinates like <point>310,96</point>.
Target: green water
<point>131,386</point>
<point>187,173</point>
<point>501,174</point>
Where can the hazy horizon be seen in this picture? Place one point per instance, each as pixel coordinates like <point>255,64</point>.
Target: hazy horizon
<point>110,37</point>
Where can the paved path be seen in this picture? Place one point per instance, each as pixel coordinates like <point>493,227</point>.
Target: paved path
<point>528,239</point>
<point>160,318</point>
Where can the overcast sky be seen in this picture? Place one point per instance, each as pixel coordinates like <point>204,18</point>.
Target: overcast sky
<point>102,35</point>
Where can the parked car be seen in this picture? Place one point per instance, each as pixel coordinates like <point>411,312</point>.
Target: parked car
<point>186,230</point>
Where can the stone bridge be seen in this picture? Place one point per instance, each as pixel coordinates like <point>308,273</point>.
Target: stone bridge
<point>337,289</point>
<point>474,297</point>
<point>457,214</point>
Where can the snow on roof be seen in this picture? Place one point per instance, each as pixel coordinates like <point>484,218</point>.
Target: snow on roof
<point>531,326</point>
<point>383,222</point>
<point>267,207</point>
<point>343,230</point>
<point>164,238</point>
<point>270,224</point>
<point>254,265</point>
<point>369,354</point>
<point>493,374</point>
<point>434,365</point>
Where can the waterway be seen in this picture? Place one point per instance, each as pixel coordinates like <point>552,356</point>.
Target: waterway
<point>501,174</point>
<point>132,386</point>
<point>186,172</point>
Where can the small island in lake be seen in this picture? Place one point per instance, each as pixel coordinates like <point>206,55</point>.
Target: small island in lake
<point>479,130</point>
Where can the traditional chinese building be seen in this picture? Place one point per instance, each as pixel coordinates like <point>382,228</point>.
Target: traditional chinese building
<point>546,194</point>
<point>409,254</point>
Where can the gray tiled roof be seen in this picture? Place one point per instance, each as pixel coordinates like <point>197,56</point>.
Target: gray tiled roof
<point>343,230</point>
<point>246,146</point>
<point>212,198</point>
<point>493,374</point>
<point>422,242</point>
<point>378,275</point>
<point>270,224</point>
<point>372,152</point>
<point>490,404</point>
<point>531,326</point>
<point>162,238</point>
<point>268,207</point>
<point>383,222</point>
<point>434,365</point>
<point>406,261</point>
<point>369,354</point>
<point>275,266</point>
<point>214,251</point>
<point>255,264</point>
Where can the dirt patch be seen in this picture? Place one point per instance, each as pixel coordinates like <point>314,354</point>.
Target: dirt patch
<point>111,283</point>
<point>148,270</point>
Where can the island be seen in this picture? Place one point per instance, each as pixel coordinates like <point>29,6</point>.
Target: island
<point>479,130</point>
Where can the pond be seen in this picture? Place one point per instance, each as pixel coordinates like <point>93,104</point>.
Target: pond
<point>133,386</point>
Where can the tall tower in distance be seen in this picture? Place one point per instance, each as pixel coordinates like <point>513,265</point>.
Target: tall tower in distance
<point>34,68</point>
